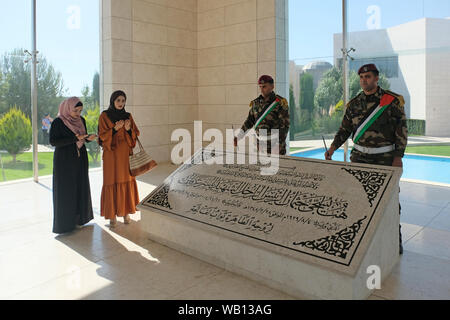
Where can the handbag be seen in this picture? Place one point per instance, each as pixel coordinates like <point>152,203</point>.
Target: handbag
<point>141,162</point>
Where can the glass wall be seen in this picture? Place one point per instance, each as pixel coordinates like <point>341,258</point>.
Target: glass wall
<point>68,45</point>
<point>315,83</point>
<point>407,40</point>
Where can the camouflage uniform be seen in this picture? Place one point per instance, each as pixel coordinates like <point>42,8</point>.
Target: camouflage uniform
<point>278,118</point>
<point>390,128</point>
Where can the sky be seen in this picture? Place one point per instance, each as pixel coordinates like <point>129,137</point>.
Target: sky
<point>68,30</point>
<point>313,23</point>
<point>67,35</point>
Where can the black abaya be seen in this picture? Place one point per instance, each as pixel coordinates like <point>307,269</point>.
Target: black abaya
<point>72,203</point>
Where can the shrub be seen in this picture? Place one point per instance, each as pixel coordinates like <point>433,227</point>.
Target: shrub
<point>416,127</point>
<point>15,132</point>
<point>91,117</point>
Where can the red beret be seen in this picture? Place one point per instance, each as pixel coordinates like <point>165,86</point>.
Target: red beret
<point>265,79</point>
<point>367,68</point>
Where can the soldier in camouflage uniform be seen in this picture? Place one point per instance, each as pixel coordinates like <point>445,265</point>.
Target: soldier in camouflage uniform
<point>278,118</point>
<point>384,141</point>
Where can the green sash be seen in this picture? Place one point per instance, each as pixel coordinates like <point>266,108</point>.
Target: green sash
<point>385,102</point>
<point>268,110</point>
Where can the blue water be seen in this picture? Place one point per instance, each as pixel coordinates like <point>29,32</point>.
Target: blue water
<point>435,169</point>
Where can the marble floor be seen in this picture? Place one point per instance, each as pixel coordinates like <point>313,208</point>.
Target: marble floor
<point>96,262</point>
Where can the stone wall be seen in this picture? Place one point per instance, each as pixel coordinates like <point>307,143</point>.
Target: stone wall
<point>185,60</point>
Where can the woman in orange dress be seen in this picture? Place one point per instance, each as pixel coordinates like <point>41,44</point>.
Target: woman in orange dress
<point>117,135</point>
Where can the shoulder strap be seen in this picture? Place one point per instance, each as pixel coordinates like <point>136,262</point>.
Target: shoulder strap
<point>141,148</point>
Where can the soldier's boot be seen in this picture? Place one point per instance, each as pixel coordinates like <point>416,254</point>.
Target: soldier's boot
<point>400,239</point>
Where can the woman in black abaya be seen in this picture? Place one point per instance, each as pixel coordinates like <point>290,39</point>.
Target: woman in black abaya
<point>72,205</point>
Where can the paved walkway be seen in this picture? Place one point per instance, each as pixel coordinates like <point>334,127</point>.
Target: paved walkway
<point>42,148</point>
<point>98,263</point>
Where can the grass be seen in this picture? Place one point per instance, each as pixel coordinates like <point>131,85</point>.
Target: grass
<point>296,149</point>
<point>430,150</point>
<point>23,168</point>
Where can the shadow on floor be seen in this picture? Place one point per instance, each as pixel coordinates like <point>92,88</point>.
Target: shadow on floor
<point>119,260</point>
<point>131,266</point>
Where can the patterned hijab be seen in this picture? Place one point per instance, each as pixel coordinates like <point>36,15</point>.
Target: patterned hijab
<point>74,124</point>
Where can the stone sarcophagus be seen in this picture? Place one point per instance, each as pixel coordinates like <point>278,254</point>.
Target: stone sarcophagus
<point>315,229</point>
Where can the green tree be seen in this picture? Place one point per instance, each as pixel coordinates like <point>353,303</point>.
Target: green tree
<point>91,116</point>
<point>91,96</point>
<point>96,88</point>
<point>86,96</point>
<point>15,87</point>
<point>15,132</point>
<point>330,90</point>
<point>306,101</point>
<point>3,90</point>
<point>91,112</point>
<point>307,92</point>
<point>293,114</point>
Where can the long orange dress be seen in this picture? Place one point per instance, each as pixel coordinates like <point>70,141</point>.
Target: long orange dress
<point>119,193</point>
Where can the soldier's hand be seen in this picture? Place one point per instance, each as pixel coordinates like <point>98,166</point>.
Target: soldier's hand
<point>235,141</point>
<point>329,153</point>
<point>397,162</point>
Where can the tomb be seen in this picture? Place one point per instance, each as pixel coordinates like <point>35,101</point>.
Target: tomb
<point>316,229</point>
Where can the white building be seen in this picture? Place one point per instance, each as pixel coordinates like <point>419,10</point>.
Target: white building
<point>415,56</point>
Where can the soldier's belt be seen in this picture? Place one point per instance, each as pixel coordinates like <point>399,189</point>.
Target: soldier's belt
<point>268,138</point>
<point>374,150</point>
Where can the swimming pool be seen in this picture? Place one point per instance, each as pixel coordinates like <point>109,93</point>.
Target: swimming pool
<point>417,167</point>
